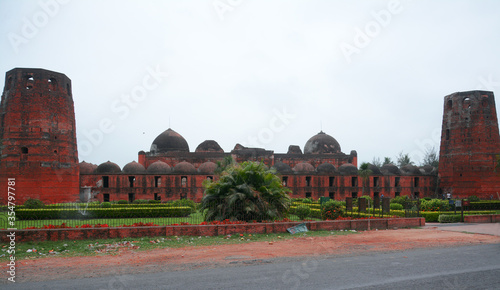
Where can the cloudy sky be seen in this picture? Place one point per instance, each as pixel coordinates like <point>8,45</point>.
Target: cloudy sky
<point>262,73</point>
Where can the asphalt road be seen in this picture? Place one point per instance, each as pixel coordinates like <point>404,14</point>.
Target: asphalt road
<point>466,267</point>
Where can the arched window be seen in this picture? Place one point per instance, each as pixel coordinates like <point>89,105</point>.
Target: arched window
<point>52,84</point>
<point>24,150</point>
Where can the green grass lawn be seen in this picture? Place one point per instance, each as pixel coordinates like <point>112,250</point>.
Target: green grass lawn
<point>99,247</point>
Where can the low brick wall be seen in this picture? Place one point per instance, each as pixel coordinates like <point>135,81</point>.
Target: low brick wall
<point>38,235</point>
<point>487,218</point>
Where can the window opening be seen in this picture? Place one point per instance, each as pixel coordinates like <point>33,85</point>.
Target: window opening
<point>131,180</point>
<point>331,181</point>
<point>105,181</point>
<point>308,180</point>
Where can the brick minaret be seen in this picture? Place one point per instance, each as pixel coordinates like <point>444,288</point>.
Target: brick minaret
<point>469,144</point>
<point>37,130</point>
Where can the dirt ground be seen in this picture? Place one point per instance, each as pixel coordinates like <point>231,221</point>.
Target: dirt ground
<point>178,259</point>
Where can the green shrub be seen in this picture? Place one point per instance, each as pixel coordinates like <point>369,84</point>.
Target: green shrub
<point>33,203</point>
<point>307,200</point>
<point>396,206</point>
<point>106,204</point>
<point>485,205</point>
<point>435,205</point>
<point>122,201</point>
<point>426,198</point>
<point>130,212</point>
<point>473,198</point>
<point>302,211</point>
<point>140,201</point>
<point>450,218</point>
<point>154,201</point>
<point>400,199</point>
<point>184,202</point>
<point>332,210</point>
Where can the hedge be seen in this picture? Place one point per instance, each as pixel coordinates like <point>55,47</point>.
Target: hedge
<point>130,212</point>
<point>433,216</point>
<point>485,205</point>
<point>450,218</point>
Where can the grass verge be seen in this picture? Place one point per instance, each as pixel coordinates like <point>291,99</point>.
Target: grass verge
<point>36,250</point>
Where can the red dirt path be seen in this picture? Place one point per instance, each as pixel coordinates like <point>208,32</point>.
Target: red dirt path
<point>173,259</point>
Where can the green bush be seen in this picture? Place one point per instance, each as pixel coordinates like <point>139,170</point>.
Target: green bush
<point>332,210</point>
<point>485,205</point>
<point>73,213</point>
<point>154,201</point>
<point>307,200</point>
<point>435,205</point>
<point>302,211</point>
<point>122,201</point>
<point>106,204</point>
<point>33,203</point>
<point>140,201</point>
<point>396,206</point>
<point>450,218</point>
<point>426,198</point>
<point>184,202</point>
<point>400,199</point>
<point>473,198</point>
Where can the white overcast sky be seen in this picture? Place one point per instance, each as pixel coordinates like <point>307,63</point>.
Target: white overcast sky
<point>269,74</point>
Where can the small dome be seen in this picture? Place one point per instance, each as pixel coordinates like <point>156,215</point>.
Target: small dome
<point>209,146</point>
<point>410,170</point>
<point>322,144</point>
<point>159,167</point>
<point>108,167</point>
<point>133,168</point>
<point>168,141</point>
<point>348,169</point>
<point>207,167</point>
<point>87,168</point>
<point>390,169</point>
<point>282,167</point>
<point>303,167</point>
<point>374,169</point>
<point>428,169</point>
<point>184,167</point>
<point>326,168</point>
<point>294,149</point>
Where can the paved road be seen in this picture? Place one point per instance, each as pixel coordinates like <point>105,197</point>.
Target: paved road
<point>466,267</point>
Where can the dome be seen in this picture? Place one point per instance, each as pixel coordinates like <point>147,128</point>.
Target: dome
<point>168,141</point>
<point>294,149</point>
<point>428,169</point>
<point>87,168</point>
<point>410,170</point>
<point>303,167</point>
<point>348,169</point>
<point>374,169</point>
<point>390,169</point>
<point>282,167</point>
<point>322,144</point>
<point>209,146</point>
<point>108,167</point>
<point>184,167</point>
<point>159,167</point>
<point>207,167</point>
<point>133,168</point>
<point>326,168</point>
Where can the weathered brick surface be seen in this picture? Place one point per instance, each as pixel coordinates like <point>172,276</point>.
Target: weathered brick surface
<point>491,218</point>
<point>470,142</point>
<point>37,129</point>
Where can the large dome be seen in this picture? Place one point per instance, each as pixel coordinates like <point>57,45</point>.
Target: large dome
<point>322,144</point>
<point>133,168</point>
<point>87,168</point>
<point>159,167</point>
<point>169,140</point>
<point>108,167</point>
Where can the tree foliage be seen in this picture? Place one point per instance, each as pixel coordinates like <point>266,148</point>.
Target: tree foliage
<point>404,159</point>
<point>430,157</point>
<point>364,172</point>
<point>387,160</point>
<point>377,162</point>
<point>245,192</point>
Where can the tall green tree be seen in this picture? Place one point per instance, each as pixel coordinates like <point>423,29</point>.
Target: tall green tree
<point>430,157</point>
<point>404,159</point>
<point>387,160</point>
<point>377,162</point>
<point>245,192</point>
<point>364,172</point>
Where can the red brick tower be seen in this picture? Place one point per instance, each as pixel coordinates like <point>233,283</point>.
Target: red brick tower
<point>37,131</point>
<point>469,143</point>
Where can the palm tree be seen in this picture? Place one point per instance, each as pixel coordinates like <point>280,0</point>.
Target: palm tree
<point>388,160</point>
<point>364,172</point>
<point>245,192</point>
<point>404,159</point>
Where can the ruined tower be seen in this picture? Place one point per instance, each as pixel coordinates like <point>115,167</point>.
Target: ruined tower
<point>37,131</point>
<point>469,144</point>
